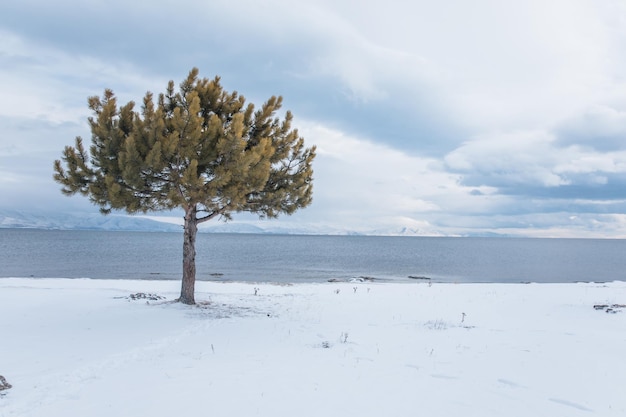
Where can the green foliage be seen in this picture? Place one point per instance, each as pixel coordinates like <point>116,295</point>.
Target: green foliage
<point>198,148</point>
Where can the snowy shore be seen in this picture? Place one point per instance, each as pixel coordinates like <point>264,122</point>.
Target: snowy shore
<point>83,347</point>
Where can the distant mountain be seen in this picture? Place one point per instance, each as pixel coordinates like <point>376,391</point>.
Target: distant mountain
<point>269,227</point>
<point>81,221</point>
<point>122,222</point>
<point>404,231</point>
<point>230,228</point>
<point>286,228</point>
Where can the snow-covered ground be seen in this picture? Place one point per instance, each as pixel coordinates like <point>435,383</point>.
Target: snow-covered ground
<point>83,348</point>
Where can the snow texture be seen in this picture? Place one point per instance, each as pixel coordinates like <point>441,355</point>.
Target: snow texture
<point>96,348</point>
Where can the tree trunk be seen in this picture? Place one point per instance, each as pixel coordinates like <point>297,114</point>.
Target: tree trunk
<point>189,257</point>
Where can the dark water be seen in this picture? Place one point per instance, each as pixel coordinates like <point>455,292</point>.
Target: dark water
<point>286,258</point>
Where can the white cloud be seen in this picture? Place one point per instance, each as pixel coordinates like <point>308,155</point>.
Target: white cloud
<point>580,161</point>
<point>353,175</point>
<point>601,127</point>
<point>490,64</point>
<point>509,158</point>
<point>527,97</point>
<point>44,83</point>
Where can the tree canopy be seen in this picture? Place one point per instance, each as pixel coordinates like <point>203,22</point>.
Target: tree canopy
<point>200,148</point>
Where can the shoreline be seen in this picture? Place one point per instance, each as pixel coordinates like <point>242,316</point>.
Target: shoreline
<point>410,280</point>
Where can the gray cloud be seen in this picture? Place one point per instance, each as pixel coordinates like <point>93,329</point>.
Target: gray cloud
<point>325,71</point>
<point>450,115</point>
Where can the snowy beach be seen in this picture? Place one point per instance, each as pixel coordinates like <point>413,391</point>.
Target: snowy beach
<point>80,347</point>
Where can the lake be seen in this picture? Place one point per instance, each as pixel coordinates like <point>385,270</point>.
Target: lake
<point>291,258</point>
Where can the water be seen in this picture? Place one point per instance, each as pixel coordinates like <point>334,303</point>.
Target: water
<point>286,258</point>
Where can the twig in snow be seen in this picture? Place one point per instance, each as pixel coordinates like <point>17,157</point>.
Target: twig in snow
<point>4,385</point>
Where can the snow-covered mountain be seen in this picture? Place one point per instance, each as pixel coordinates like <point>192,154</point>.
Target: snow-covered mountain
<point>123,222</point>
<point>81,221</point>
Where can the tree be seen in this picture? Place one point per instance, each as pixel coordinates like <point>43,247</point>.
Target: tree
<point>200,149</point>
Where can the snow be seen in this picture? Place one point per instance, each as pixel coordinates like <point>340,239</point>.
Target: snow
<point>79,347</point>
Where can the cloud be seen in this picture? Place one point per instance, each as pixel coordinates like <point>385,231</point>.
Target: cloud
<point>434,70</point>
<point>45,83</point>
<point>535,164</point>
<point>353,175</point>
<point>312,54</point>
<point>452,116</point>
<point>601,128</point>
<point>364,185</point>
<point>507,160</point>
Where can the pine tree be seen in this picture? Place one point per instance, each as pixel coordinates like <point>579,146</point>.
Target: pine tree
<point>201,149</point>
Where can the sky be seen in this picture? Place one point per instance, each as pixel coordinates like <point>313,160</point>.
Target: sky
<point>447,118</point>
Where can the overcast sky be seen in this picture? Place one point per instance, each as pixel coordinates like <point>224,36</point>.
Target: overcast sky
<point>452,117</point>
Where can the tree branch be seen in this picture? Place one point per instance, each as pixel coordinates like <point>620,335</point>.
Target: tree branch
<point>207,217</point>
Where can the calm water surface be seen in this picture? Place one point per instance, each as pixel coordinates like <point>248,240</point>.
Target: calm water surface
<point>286,258</point>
